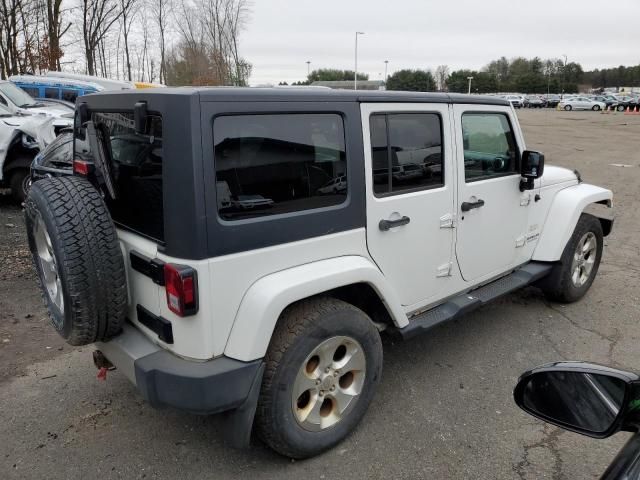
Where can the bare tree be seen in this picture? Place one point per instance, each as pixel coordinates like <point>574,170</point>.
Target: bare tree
<point>127,13</point>
<point>160,10</point>
<point>55,32</point>
<point>98,18</point>
<point>210,29</point>
<point>442,75</point>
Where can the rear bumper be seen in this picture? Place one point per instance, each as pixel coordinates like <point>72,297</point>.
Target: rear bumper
<point>165,379</point>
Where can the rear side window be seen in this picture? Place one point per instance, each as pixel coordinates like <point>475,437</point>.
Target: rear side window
<point>274,164</point>
<point>406,152</point>
<point>136,162</point>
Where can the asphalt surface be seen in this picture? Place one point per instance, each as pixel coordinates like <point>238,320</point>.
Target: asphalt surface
<point>444,408</point>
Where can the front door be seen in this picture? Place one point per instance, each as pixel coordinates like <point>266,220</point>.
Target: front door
<point>410,185</point>
<point>492,211</point>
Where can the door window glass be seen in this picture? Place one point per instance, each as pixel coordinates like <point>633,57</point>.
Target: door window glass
<point>406,152</point>
<point>273,164</point>
<point>490,148</point>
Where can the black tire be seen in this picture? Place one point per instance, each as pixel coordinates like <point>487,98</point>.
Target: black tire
<point>19,182</point>
<point>86,252</point>
<point>620,108</point>
<point>568,108</point>
<point>302,327</point>
<point>558,285</point>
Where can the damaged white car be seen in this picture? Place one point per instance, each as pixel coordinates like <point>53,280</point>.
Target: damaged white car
<point>27,126</point>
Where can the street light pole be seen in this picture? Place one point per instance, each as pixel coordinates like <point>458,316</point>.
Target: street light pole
<point>386,64</point>
<point>469,78</point>
<point>308,68</point>
<point>355,74</point>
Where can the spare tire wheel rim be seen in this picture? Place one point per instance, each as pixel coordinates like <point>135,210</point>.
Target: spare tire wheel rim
<point>328,383</point>
<point>584,258</point>
<point>48,264</point>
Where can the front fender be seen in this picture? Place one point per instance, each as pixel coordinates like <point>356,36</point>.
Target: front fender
<point>566,208</point>
<point>268,297</point>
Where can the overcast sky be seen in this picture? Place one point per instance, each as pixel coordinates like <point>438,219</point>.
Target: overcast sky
<point>282,35</point>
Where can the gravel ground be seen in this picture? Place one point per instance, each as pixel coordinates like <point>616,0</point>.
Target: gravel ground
<point>443,410</point>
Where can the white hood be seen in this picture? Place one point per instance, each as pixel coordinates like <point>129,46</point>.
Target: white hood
<point>553,175</point>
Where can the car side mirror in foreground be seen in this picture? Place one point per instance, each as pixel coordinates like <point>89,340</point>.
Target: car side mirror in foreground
<point>584,398</point>
<point>531,167</point>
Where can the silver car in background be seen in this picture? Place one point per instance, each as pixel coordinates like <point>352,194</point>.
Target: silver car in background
<point>581,103</point>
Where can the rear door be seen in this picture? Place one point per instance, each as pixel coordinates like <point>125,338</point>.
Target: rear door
<point>409,182</point>
<point>492,212</point>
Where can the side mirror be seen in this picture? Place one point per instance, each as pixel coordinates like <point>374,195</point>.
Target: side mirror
<point>531,167</point>
<point>584,398</point>
<point>140,117</point>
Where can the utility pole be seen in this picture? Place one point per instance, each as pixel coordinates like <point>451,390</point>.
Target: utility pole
<point>386,65</point>
<point>469,78</point>
<point>308,62</point>
<point>355,74</point>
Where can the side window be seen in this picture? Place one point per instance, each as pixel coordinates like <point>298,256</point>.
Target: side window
<point>51,92</point>
<point>69,95</point>
<point>272,164</point>
<point>406,152</point>
<point>33,91</point>
<point>490,148</point>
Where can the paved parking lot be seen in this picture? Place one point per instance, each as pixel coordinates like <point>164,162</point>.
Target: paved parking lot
<point>444,408</point>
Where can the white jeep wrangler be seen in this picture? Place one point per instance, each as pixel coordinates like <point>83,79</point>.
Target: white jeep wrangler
<point>199,246</point>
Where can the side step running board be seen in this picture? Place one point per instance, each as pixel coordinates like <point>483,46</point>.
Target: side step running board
<point>466,302</point>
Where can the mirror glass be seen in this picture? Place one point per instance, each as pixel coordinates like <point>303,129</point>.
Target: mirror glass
<point>532,164</point>
<point>586,401</point>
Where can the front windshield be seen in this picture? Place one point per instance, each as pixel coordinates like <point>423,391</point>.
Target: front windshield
<point>16,95</point>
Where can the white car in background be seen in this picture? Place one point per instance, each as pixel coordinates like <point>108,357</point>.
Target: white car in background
<point>581,103</point>
<point>27,126</point>
<point>516,101</point>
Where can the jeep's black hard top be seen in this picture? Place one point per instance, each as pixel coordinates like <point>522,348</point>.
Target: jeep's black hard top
<point>192,227</point>
<point>309,94</point>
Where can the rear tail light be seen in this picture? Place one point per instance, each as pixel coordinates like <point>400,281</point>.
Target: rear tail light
<point>80,167</point>
<point>181,284</point>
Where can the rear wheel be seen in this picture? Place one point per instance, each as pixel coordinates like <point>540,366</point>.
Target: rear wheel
<point>596,108</point>
<point>322,367</point>
<point>572,277</point>
<point>620,108</point>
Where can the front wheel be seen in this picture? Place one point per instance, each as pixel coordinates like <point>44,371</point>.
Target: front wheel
<point>620,108</point>
<point>20,182</point>
<point>572,277</point>
<point>568,108</point>
<point>322,368</point>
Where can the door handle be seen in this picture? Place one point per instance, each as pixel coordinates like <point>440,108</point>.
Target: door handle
<point>466,206</point>
<point>385,225</point>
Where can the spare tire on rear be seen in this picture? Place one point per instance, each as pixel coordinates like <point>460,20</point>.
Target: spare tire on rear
<point>77,257</point>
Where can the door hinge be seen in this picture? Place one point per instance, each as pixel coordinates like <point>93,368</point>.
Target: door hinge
<point>448,221</point>
<point>444,270</point>
<point>525,199</point>
<point>520,241</point>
